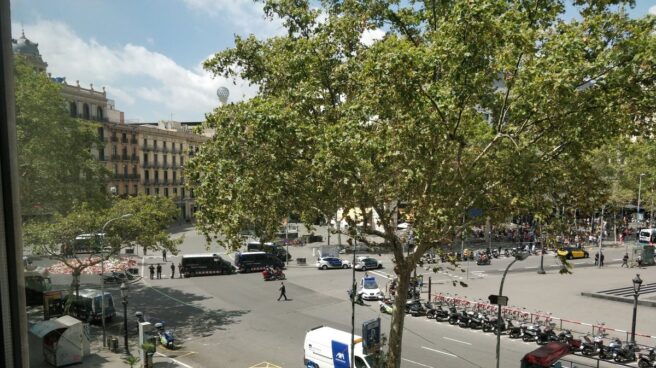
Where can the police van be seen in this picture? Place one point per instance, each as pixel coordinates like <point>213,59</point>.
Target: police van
<point>326,347</point>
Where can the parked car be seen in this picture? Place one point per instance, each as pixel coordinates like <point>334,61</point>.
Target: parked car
<point>325,263</point>
<point>368,264</point>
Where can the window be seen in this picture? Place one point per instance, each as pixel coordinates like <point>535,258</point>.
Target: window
<point>155,143</point>
<point>166,192</point>
<point>127,190</point>
<point>181,160</point>
<point>174,175</point>
<point>166,159</point>
<point>72,107</point>
<point>101,154</point>
<point>145,141</point>
<point>125,171</point>
<point>146,174</point>
<point>99,114</point>
<point>114,150</point>
<point>135,190</point>
<point>147,191</point>
<point>145,159</point>
<point>156,174</point>
<point>173,158</point>
<point>182,192</point>
<point>101,133</point>
<point>134,170</point>
<point>175,192</point>
<point>86,112</point>
<point>166,175</point>
<point>155,159</point>
<point>156,191</point>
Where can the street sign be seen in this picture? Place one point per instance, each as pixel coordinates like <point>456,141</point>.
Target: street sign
<point>371,335</point>
<point>498,300</point>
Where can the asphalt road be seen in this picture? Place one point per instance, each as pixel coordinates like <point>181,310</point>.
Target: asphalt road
<point>239,323</point>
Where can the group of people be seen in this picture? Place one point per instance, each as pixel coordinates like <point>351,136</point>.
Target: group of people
<point>158,270</point>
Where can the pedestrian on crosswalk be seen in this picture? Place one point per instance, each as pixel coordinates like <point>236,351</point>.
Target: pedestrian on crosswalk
<point>159,271</point>
<point>282,291</point>
<point>152,271</point>
<point>172,270</point>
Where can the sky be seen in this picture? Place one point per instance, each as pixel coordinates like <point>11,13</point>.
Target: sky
<point>148,53</point>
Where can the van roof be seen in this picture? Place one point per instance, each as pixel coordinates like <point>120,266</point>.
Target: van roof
<point>328,334</point>
<point>200,255</point>
<point>92,293</point>
<point>247,253</point>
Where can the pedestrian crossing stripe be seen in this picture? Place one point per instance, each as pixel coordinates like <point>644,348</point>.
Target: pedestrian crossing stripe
<point>265,365</point>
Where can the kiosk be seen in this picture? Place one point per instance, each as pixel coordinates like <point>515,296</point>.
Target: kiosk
<point>63,340</point>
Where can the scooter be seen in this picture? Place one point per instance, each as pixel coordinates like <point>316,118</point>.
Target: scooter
<point>483,260</point>
<point>546,335</point>
<point>165,337</point>
<point>647,360</point>
<point>476,320</point>
<point>530,332</point>
<point>464,318</point>
<point>565,336</point>
<point>607,351</point>
<point>386,306</point>
<point>415,308</point>
<point>588,347</point>
<point>454,315</point>
<point>270,274</point>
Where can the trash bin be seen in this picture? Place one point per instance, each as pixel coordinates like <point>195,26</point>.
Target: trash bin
<point>300,261</point>
<point>149,360</point>
<point>113,344</point>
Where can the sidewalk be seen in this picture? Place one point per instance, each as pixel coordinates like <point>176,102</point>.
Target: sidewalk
<point>561,296</point>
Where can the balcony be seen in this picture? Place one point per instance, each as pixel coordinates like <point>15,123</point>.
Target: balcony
<point>164,150</point>
<point>124,139</point>
<point>175,150</point>
<point>134,177</point>
<point>125,157</point>
<point>114,138</point>
<point>102,157</point>
<point>149,165</point>
<point>133,140</point>
<point>165,182</point>
<point>146,147</point>
<point>115,157</point>
<point>134,158</point>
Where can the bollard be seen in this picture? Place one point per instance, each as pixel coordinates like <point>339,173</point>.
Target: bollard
<point>430,282</point>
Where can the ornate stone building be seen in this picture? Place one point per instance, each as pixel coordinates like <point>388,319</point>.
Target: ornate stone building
<point>142,158</point>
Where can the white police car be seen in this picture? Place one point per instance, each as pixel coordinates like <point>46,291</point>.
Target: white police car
<point>325,263</point>
<point>370,289</point>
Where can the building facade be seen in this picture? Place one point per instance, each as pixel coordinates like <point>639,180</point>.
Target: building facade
<point>142,158</point>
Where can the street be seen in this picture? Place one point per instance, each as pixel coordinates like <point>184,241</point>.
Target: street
<point>236,321</point>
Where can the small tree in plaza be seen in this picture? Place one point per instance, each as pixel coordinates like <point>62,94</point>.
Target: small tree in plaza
<point>457,105</point>
<point>150,217</point>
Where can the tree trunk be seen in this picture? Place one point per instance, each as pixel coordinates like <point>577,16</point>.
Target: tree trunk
<point>398,315</point>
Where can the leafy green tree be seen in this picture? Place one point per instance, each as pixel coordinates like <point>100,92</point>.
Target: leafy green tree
<point>146,227</point>
<point>56,167</point>
<point>485,104</point>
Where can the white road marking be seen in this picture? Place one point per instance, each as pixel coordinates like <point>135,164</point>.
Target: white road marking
<point>450,339</point>
<point>617,259</point>
<point>174,360</point>
<point>529,267</point>
<point>440,352</point>
<point>501,269</point>
<point>579,263</point>
<point>380,274</point>
<point>413,362</point>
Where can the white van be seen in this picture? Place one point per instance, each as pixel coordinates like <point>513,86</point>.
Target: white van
<point>647,236</point>
<point>326,347</point>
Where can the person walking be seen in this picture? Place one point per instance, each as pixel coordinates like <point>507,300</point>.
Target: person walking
<point>172,270</point>
<point>180,270</point>
<point>152,271</point>
<point>601,259</point>
<point>159,271</point>
<point>625,260</point>
<point>282,291</point>
<point>164,254</point>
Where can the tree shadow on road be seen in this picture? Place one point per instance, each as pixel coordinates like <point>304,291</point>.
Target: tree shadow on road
<point>180,311</point>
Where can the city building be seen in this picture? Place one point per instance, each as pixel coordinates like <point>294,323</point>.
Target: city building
<point>142,158</point>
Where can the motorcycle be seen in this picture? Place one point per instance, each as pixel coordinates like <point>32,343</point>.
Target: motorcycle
<point>441,314</point>
<point>386,306</point>
<point>626,353</point>
<point>490,325</point>
<point>415,308</point>
<point>546,335</point>
<point>588,347</point>
<point>565,336</point>
<point>607,351</point>
<point>476,320</point>
<point>530,332</point>
<point>165,337</point>
<point>647,360</point>
<point>430,310</point>
<point>357,296</point>
<point>514,331</point>
<point>464,318</point>
<point>454,315</point>
<point>270,274</point>
<point>483,260</point>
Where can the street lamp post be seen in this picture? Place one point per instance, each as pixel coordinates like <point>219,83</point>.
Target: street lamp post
<point>520,256</point>
<point>639,190</point>
<point>124,297</point>
<point>102,273</point>
<point>637,282</point>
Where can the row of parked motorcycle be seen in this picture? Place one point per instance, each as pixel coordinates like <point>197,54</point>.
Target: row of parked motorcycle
<point>542,332</point>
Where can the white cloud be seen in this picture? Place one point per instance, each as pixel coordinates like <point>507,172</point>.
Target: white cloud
<point>652,10</point>
<point>370,36</point>
<point>247,15</point>
<point>147,85</point>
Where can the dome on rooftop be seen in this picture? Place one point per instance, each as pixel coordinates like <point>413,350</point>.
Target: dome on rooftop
<point>24,46</point>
